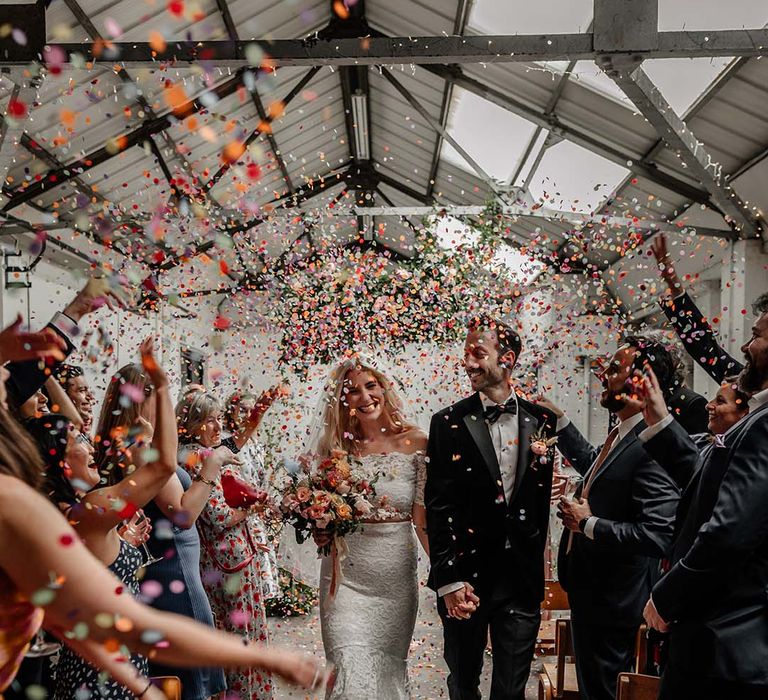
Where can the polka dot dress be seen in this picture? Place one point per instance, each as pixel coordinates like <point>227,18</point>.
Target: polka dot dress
<point>78,680</point>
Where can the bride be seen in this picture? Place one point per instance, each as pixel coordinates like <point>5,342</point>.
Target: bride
<point>368,624</point>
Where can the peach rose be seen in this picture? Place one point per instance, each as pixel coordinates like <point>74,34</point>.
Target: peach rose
<point>303,494</point>
<point>344,511</point>
<point>539,447</point>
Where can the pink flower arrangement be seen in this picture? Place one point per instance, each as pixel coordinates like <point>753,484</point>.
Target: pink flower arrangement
<point>330,499</point>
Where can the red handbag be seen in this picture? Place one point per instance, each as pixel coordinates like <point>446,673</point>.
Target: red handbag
<point>239,493</point>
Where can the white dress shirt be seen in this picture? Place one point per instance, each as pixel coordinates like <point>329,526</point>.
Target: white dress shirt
<point>758,399</point>
<point>625,426</point>
<point>504,436</point>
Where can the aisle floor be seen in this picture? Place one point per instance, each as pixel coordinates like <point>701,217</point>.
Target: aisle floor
<point>427,668</point>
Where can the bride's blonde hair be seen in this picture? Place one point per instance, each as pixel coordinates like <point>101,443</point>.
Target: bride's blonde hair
<point>341,429</point>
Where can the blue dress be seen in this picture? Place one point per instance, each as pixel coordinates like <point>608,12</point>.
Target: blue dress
<point>180,591</point>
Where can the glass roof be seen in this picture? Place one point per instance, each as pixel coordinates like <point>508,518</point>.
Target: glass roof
<point>493,136</point>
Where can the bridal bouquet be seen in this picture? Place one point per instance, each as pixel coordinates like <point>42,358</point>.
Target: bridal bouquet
<point>331,500</point>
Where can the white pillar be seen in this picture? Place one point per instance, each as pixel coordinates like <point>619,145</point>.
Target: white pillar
<point>744,281</point>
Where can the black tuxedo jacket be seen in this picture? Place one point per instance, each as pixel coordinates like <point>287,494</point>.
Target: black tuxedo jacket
<point>27,377</point>
<point>699,339</point>
<point>689,410</point>
<point>468,519</point>
<point>716,592</point>
<point>609,578</point>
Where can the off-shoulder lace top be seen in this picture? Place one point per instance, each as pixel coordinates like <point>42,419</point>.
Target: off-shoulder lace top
<point>400,484</point>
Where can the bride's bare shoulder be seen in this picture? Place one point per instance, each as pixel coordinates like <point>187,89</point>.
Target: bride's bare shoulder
<point>413,440</point>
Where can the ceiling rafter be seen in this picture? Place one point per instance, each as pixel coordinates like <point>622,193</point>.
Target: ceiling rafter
<point>463,9</point>
<point>671,181</point>
<point>261,128</point>
<point>59,175</point>
<point>265,118</point>
<point>140,100</point>
<point>422,50</point>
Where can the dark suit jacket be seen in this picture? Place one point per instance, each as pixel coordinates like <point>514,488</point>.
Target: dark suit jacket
<point>468,520</point>
<point>689,410</point>
<point>27,377</point>
<point>699,339</point>
<point>609,578</point>
<point>716,592</point>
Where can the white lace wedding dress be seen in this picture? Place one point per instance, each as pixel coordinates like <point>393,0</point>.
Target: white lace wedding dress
<point>368,625</point>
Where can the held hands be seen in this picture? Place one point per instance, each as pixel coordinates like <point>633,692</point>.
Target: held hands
<point>17,345</point>
<point>653,619</point>
<point>462,603</point>
<point>572,512</point>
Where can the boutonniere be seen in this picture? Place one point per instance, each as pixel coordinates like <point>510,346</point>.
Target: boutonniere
<point>541,444</point>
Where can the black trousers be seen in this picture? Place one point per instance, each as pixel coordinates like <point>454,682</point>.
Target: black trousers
<point>601,654</point>
<point>677,685</point>
<point>513,636</point>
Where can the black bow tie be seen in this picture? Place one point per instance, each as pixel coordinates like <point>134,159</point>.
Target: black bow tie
<point>493,413</point>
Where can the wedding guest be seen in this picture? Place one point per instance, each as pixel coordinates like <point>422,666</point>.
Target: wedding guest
<point>172,583</point>
<point>241,420</point>
<point>694,330</point>
<point>34,407</point>
<point>687,406</point>
<point>35,560</point>
<point>26,377</point>
<point>229,558</point>
<point>618,526</point>
<point>76,386</point>
<point>713,599</point>
<point>70,481</point>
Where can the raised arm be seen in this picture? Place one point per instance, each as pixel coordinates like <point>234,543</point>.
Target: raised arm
<point>141,485</point>
<point>61,403</point>
<point>579,452</point>
<point>84,591</point>
<point>182,507</point>
<point>690,324</point>
<point>29,375</point>
<point>241,436</point>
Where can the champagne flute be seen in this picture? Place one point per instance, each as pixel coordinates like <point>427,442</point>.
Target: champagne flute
<point>150,559</point>
<point>40,647</point>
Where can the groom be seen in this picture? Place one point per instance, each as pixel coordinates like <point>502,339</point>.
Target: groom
<point>489,476</point>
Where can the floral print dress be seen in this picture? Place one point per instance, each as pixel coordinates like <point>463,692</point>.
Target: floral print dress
<point>232,578</point>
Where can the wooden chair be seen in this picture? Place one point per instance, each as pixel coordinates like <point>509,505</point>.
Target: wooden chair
<point>555,598</point>
<point>169,685</point>
<point>641,649</point>
<point>636,686</point>
<point>558,680</point>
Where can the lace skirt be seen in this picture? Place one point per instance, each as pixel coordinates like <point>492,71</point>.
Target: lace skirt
<point>368,625</point>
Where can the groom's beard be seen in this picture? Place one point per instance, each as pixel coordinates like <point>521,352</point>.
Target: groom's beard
<point>753,376</point>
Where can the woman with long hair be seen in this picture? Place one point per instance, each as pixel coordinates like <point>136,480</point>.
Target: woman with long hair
<point>97,513</point>
<point>230,556</point>
<point>46,573</point>
<point>172,583</point>
<point>368,624</point>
